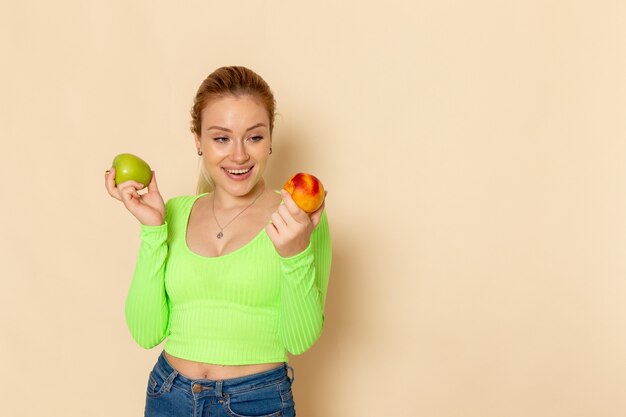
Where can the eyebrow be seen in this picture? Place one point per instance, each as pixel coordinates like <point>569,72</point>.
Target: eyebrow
<point>228,130</point>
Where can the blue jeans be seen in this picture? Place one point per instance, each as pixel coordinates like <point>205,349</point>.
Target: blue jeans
<point>265,394</point>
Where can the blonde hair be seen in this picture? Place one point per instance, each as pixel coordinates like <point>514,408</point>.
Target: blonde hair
<point>205,182</point>
<point>228,81</point>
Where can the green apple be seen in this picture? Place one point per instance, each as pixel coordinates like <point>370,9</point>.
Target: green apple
<point>130,167</point>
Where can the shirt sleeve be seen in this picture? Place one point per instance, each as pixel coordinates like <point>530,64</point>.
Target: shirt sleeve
<point>147,305</point>
<point>304,280</point>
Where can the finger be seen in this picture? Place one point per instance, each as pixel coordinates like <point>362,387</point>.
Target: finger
<point>109,183</point>
<point>152,186</point>
<point>317,214</point>
<point>285,214</point>
<point>278,221</point>
<point>288,202</point>
<point>296,212</point>
<point>296,222</point>
<point>272,232</point>
<point>131,183</point>
<point>128,190</point>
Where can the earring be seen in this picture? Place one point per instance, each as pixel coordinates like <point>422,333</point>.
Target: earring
<point>199,152</point>
<point>270,150</point>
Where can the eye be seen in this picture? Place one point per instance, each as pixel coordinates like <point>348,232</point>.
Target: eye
<point>220,139</point>
<point>256,138</point>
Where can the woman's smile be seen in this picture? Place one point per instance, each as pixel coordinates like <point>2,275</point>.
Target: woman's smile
<point>238,174</point>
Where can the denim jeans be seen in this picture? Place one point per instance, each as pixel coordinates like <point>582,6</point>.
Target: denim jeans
<point>265,394</point>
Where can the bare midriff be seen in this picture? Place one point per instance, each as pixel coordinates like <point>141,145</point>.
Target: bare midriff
<point>201,370</point>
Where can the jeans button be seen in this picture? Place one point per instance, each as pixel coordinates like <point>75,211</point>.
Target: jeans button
<point>196,388</point>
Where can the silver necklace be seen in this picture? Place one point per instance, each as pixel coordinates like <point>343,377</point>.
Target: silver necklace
<point>221,232</point>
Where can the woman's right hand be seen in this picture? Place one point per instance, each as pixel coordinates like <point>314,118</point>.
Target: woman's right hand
<point>148,208</point>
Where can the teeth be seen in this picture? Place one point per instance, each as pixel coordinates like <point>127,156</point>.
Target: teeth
<point>238,171</point>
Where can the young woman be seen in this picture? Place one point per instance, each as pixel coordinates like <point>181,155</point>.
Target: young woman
<point>234,277</point>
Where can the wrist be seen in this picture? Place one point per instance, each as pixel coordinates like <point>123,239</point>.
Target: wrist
<point>151,221</point>
<point>153,224</point>
<point>294,252</point>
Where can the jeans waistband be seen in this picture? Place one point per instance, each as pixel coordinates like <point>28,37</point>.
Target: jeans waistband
<point>226,386</point>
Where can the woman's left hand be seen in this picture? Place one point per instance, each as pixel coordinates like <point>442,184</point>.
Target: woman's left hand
<point>291,227</point>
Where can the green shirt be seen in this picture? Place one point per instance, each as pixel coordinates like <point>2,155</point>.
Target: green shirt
<point>246,307</point>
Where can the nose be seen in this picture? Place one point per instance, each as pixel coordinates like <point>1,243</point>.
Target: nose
<point>239,153</point>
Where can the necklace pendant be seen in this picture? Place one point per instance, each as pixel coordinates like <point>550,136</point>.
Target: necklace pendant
<point>220,235</point>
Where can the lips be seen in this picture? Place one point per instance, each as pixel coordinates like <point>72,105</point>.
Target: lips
<point>238,174</point>
<point>238,171</point>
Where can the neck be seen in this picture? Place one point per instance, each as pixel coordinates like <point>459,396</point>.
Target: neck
<point>224,201</point>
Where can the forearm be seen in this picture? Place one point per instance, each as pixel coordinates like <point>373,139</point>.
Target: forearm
<point>304,279</point>
<point>147,311</point>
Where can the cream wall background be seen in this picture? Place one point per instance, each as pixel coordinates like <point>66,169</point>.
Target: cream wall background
<point>475,158</point>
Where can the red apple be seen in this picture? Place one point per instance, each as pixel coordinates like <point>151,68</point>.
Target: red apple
<point>306,190</point>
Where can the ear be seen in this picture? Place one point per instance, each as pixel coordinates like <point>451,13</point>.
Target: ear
<point>196,139</point>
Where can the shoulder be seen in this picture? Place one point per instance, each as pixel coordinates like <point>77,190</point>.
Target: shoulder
<point>182,200</point>
<point>180,203</point>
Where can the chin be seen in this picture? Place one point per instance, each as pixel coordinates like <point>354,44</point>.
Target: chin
<point>238,186</point>
<point>243,189</point>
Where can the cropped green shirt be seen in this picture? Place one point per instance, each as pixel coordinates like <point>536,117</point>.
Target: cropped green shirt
<point>249,306</point>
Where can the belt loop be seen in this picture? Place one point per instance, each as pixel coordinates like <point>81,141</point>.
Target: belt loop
<point>293,374</point>
<point>218,388</point>
<point>170,381</point>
